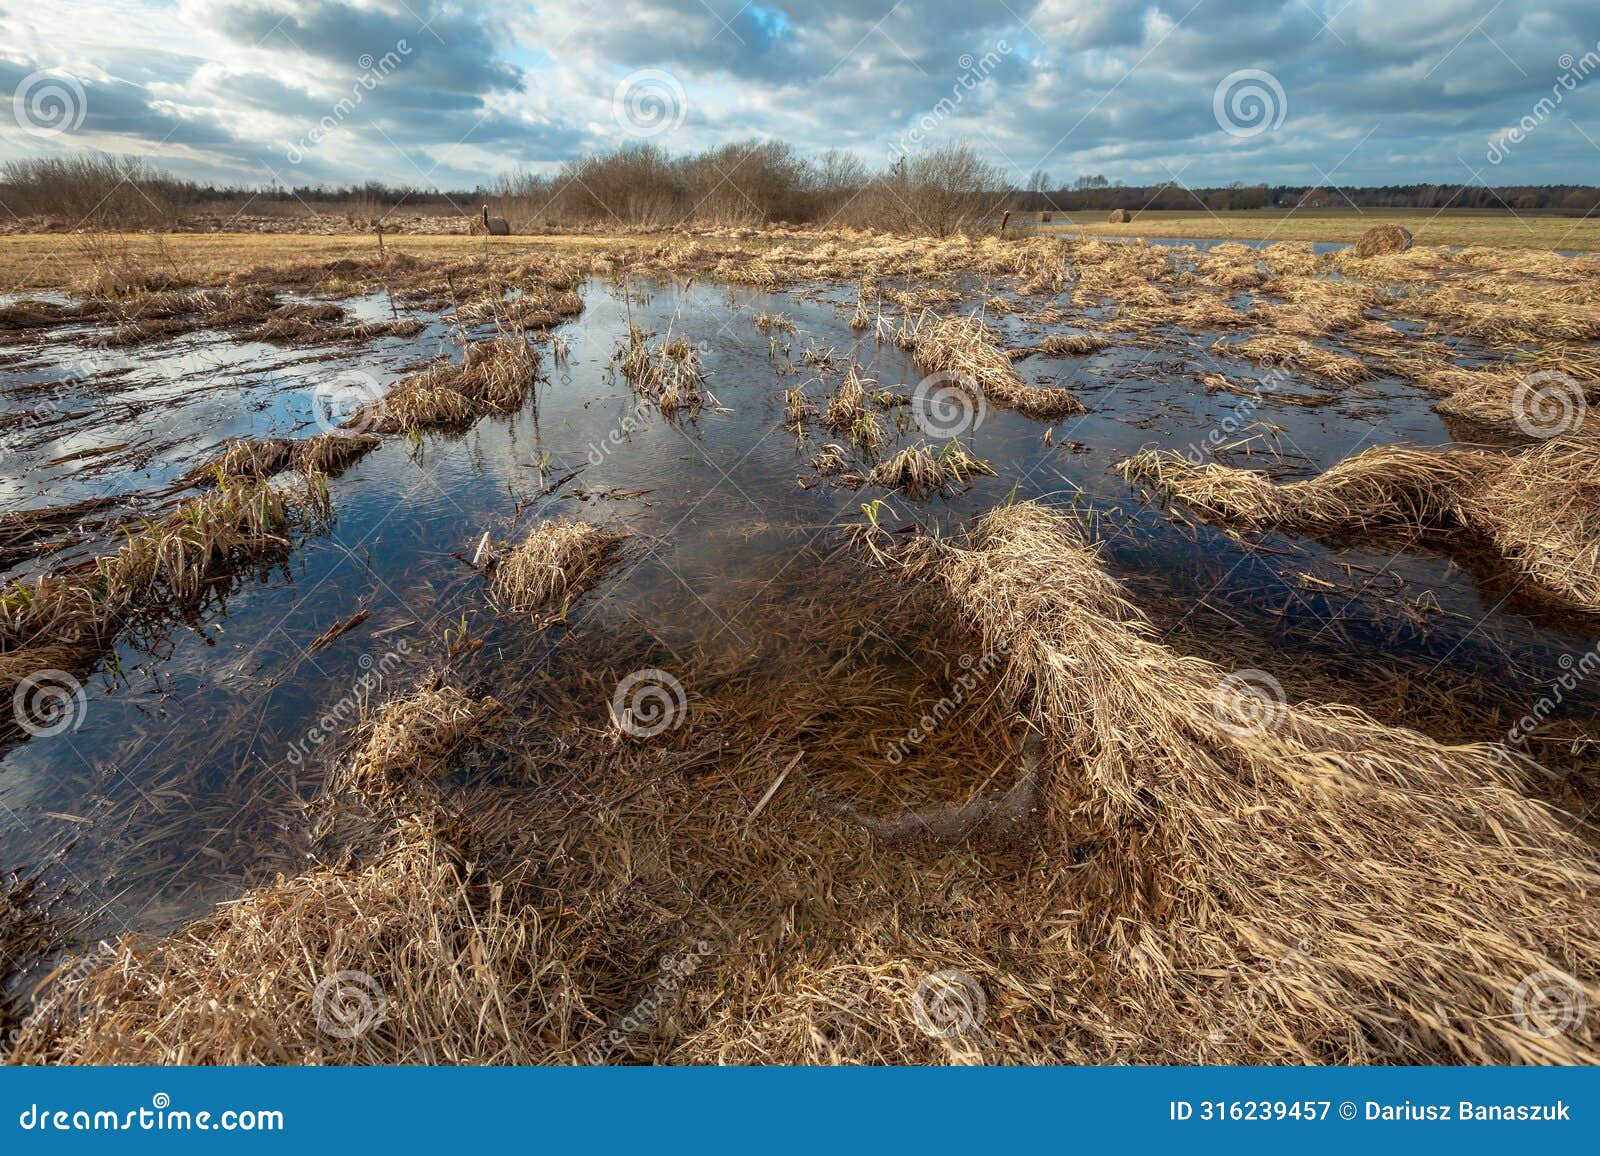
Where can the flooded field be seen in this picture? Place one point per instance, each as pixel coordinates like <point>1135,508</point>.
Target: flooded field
<point>183,767</point>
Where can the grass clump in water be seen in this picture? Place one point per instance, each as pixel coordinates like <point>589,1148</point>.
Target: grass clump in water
<point>559,559</point>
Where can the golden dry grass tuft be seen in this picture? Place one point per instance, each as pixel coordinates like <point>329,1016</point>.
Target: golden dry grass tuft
<point>848,404</point>
<point>914,471</point>
<point>1538,508</point>
<point>557,560</point>
<point>668,372</point>
<point>66,621</point>
<point>1541,509</point>
<point>964,348</point>
<point>1387,486</point>
<point>433,963</point>
<point>400,746</point>
<point>259,458</point>
<point>1420,887</point>
<point>495,375</point>
<point>209,537</point>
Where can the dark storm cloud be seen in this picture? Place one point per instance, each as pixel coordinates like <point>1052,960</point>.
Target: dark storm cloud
<point>1372,90</point>
<point>454,50</point>
<point>117,108</point>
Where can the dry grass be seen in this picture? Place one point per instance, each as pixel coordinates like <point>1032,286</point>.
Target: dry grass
<point>418,407</point>
<point>668,372</point>
<point>259,458</point>
<point>797,409</point>
<point>918,473</point>
<point>848,404</point>
<point>400,746</point>
<point>1539,509</point>
<point>829,460</point>
<point>1287,352</point>
<point>330,454</point>
<point>494,376</point>
<point>497,374</point>
<point>1071,344</point>
<point>559,559</point>
<point>533,307</point>
<point>244,458</point>
<point>1388,486</point>
<point>914,471</point>
<point>210,537</point>
<point>66,621</point>
<point>452,957</point>
<point>1151,910</point>
<point>963,346</point>
<point>1420,887</point>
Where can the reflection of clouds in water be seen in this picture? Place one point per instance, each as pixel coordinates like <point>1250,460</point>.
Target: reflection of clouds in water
<point>720,522</point>
<point>174,403</point>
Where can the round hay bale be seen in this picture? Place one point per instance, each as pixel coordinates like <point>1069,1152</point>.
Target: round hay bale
<point>1383,239</point>
<point>1120,216</point>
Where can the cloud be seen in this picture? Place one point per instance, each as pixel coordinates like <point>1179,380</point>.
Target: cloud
<point>1375,92</point>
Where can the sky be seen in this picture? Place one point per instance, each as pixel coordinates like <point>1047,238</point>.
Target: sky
<point>451,94</point>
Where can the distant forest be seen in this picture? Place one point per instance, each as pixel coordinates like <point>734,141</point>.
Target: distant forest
<point>936,190</point>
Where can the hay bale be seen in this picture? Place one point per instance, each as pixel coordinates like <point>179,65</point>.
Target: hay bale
<point>1383,239</point>
<point>1119,217</point>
